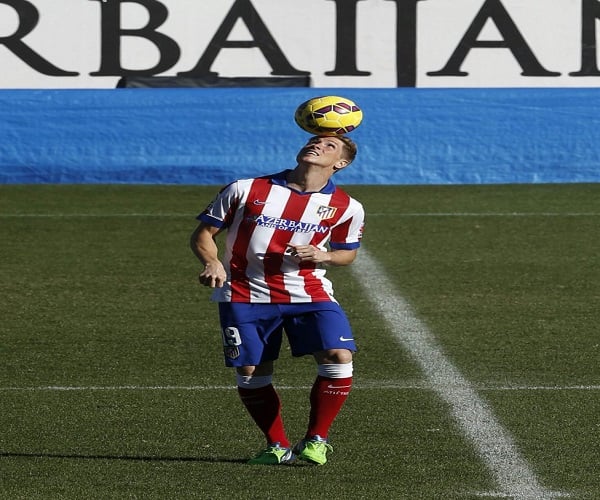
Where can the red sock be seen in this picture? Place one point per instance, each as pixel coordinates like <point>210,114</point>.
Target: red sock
<point>264,407</point>
<point>326,400</point>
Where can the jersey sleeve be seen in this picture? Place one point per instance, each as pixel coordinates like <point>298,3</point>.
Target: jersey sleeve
<point>220,211</point>
<point>348,233</point>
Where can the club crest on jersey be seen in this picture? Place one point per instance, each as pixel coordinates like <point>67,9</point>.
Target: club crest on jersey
<point>325,212</point>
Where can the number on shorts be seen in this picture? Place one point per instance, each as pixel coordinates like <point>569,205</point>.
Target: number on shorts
<point>231,336</point>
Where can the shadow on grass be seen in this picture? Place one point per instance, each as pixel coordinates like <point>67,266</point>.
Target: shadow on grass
<point>135,458</point>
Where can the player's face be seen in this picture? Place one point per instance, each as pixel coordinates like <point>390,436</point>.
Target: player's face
<point>324,151</point>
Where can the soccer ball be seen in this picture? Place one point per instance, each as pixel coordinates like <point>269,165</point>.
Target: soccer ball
<point>328,115</point>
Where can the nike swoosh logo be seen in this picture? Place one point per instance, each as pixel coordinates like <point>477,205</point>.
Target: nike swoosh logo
<point>258,202</point>
<point>344,339</point>
<point>338,386</point>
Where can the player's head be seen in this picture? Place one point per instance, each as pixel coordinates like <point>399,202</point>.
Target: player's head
<point>341,156</point>
<point>349,149</point>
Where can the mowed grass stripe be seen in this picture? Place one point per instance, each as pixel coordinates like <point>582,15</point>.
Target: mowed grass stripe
<point>473,415</point>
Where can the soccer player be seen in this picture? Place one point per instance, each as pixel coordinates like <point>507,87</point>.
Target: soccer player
<point>282,231</point>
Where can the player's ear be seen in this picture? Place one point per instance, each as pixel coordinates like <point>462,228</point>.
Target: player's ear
<point>341,164</point>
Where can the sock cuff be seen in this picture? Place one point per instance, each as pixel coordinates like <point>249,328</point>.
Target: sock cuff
<point>252,382</point>
<point>336,370</point>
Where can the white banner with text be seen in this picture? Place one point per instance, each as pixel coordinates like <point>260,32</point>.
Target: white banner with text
<point>335,43</point>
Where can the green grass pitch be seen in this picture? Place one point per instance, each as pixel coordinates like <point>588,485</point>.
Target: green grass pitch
<point>112,384</point>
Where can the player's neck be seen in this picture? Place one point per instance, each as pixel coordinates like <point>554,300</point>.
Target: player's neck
<point>307,180</point>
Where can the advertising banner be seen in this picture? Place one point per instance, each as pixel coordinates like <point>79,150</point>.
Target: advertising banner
<point>331,43</point>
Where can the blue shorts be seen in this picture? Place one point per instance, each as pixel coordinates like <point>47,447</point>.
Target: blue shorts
<point>252,333</point>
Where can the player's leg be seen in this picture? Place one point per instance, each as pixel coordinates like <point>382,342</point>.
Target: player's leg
<point>251,341</point>
<point>256,391</point>
<point>325,333</point>
<point>330,390</point>
<point>327,396</point>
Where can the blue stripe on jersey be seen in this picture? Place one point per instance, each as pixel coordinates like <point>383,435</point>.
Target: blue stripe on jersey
<point>210,220</point>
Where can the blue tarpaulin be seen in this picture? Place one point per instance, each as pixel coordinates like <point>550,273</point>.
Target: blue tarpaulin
<point>211,136</point>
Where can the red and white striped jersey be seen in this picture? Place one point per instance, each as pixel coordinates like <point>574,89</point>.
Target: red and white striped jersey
<point>262,216</point>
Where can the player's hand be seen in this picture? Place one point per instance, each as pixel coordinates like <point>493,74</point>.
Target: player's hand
<point>307,253</point>
<point>213,275</point>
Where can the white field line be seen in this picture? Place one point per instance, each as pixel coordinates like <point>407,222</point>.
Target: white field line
<point>485,214</point>
<point>92,215</point>
<point>370,214</point>
<point>374,386</point>
<point>499,494</point>
<point>493,443</point>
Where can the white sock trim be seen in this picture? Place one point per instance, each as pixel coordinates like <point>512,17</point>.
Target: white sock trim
<point>252,382</point>
<point>336,370</point>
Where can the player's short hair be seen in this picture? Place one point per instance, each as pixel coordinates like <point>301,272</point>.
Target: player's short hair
<point>350,148</point>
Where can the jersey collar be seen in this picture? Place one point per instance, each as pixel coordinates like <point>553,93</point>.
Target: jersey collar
<point>281,180</point>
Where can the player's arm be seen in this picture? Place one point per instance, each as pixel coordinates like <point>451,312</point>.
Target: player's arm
<point>310,253</point>
<point>204,246</point>
<point>341,257</point>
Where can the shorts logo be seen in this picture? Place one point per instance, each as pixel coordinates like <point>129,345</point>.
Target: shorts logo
<point>231,352</point>
<point>325,212</point>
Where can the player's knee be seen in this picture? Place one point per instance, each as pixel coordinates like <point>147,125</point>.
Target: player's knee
<point>256,371</point>
<point>334,356</point>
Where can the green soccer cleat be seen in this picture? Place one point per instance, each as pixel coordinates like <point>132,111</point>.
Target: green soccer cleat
<point>313,450</point>
<point>274,454</point>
